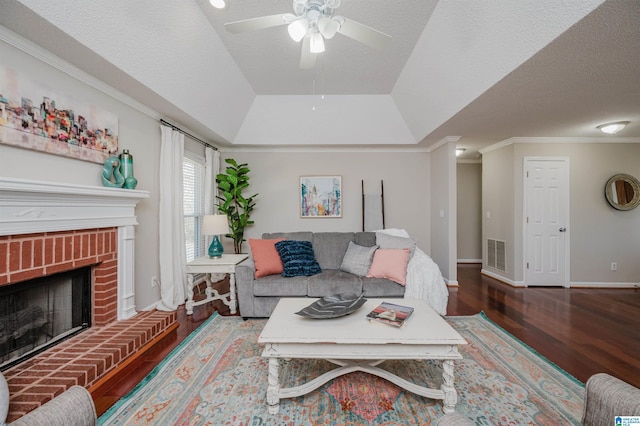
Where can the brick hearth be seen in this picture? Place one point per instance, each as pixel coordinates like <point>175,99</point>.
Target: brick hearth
<point>92,356</point>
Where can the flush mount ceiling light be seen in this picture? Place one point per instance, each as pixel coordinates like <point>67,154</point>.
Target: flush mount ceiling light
<point>313,22</point>
<point>218,4</point>
<point>612,128</point>
<point>460,151</point>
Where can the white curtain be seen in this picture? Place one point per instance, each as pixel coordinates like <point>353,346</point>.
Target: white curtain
<point>212,168</point>
<point>173,257</point>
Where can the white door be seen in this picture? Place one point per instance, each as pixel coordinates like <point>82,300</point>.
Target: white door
<point>546,222</point>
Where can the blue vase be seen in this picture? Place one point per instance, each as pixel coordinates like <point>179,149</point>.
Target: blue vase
<point>126,169</point>
<point>215,249</point>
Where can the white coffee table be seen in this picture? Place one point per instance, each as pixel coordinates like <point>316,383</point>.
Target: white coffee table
<point>355,344</point>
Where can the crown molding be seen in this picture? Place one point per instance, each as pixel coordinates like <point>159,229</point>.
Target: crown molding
<point>443,141</point>
<point>315,148</point>
<point>557,140</point>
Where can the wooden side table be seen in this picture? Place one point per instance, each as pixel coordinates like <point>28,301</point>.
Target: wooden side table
<point>226,264</point>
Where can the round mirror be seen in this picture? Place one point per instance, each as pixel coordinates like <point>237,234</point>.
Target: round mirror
<point>623,192</point>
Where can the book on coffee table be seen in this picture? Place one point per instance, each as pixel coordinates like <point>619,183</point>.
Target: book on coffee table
<point>390,313</point>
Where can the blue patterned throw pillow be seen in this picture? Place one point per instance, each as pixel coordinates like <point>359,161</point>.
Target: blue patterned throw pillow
<point>297,258</point>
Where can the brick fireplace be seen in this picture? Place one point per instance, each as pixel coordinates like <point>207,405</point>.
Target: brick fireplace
<point>48,228</point>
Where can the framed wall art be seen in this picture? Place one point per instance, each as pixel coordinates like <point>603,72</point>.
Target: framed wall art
<point>33,116</point>
<point>320,196</point>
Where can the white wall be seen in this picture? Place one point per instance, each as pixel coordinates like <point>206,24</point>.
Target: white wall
<point>469,207</point>
<point>138,132</point>
<point>275,176</point>
<point>443,210</point>
<point>598,233</point>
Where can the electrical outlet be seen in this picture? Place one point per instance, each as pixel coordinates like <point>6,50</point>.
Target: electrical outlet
<point>154,282</point>
<point>614,266</point>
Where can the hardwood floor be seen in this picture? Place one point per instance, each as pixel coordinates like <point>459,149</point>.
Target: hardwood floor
<point>583,331</point>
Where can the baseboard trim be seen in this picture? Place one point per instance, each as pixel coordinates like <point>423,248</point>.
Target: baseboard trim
<point>502,279</point>
<point>451,283</point>
<point>469,260</point>
<point>573,284</point>
<point>612,285</point>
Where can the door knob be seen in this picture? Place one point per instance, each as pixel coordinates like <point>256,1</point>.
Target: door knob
<point>562,229</point>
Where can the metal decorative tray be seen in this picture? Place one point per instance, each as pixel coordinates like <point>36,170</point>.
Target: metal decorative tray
<point>333,306</point>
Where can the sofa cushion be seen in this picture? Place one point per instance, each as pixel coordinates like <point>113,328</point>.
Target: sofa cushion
<point>330,248</point>
<point>265,257</point>
<point>297,258</point>
<point>390,264</point>
<point>366,239</point>
<point>279,286</point>
<point>298,236</point>
<point>357,259</point>
<point>385,241</point>
<point>333,281</point>
<point>381,287</point>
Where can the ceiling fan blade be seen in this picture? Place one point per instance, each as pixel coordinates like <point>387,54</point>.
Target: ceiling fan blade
<point>260,23</point>
<point>307,59</point>
<point>364,34</point>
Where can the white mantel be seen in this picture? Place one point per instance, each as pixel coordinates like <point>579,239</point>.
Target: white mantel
<point>29,206</point>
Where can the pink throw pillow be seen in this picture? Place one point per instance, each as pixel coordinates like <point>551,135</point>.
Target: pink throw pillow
<point>390,264</point>
<point>266,257</point>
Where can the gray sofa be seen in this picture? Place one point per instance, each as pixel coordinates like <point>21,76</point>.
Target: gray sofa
<point>258,297</point>
<point>605,398</point>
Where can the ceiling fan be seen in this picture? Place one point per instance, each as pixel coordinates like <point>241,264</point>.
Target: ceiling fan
<point>312,22</point>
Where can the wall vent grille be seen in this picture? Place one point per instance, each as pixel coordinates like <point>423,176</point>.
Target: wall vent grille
<point>496,254</point>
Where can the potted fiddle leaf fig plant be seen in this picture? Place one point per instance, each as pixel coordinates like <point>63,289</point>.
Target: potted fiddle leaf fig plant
<point>233,203</point>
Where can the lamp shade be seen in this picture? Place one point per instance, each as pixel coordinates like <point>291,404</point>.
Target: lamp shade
<point>317,43</point>
<point>298,29</point>
<point>328,27</point>
<point>215,224</point>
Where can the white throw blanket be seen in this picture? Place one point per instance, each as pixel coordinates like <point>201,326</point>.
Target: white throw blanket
<point>424,279</point>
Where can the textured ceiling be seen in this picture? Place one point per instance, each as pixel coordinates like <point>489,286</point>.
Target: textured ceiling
<point>269,58</point>
<point>562,88</point>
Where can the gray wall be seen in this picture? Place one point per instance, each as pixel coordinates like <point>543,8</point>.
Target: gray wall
<point>469,206</point>
<point>138,132</point>
<point>598,233</point>
<point>275,176</point>
<point>443,210</point>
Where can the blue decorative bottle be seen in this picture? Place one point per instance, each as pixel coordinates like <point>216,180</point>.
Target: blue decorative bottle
<point>126,169</point>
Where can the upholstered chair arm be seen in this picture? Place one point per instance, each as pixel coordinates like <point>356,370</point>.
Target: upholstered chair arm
<point>74,407</point>
<point>607,397</point>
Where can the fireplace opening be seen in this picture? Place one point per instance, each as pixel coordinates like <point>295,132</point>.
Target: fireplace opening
<point>37,314</point>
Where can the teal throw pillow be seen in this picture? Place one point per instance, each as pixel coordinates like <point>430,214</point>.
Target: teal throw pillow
<point>297,258</point>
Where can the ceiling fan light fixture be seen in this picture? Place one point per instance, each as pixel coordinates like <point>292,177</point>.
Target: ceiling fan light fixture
<point>218,4</point>
<point>612,128</point>
<point>328,27</point>
<point>298,29</point>
<point>317,43</point>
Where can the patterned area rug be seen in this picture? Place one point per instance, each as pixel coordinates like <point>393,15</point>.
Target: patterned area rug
<point>217,377</point>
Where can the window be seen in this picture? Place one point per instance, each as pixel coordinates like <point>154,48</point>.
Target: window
<point>193,172</point>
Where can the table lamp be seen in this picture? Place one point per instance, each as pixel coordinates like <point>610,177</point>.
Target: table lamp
<point>215,225</point>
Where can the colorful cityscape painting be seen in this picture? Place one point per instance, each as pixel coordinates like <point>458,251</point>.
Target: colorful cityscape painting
<point>321,196</point>
<point>35,117</point>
